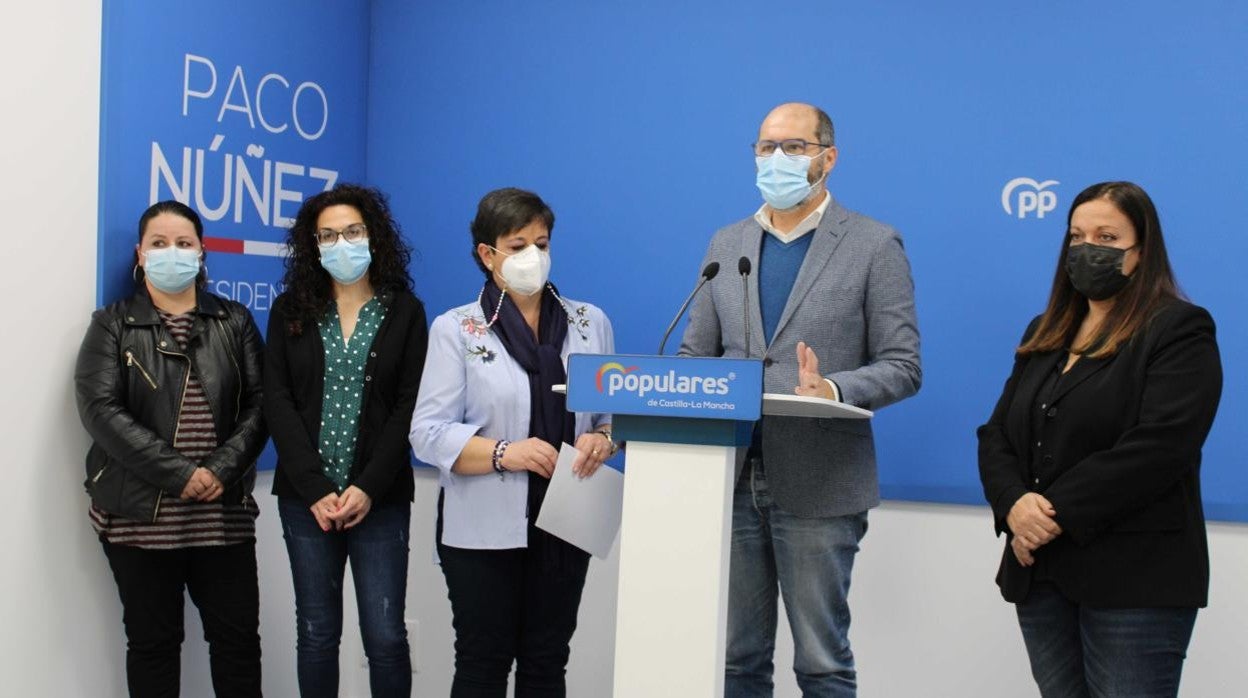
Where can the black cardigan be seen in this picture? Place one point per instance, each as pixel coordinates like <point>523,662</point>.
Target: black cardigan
<point>1124,435</point>
<point>294,383</point>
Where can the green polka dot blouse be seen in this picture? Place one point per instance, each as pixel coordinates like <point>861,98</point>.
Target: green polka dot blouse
<point>344,386</point>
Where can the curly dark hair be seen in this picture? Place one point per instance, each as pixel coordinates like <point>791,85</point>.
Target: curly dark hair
<point>309,289</point>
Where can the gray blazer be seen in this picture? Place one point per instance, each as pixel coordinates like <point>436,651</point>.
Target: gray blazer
<point>853,303</point>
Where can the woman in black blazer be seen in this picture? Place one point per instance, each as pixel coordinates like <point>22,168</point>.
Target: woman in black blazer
<point>346,351</point>
<point>1091,459</point>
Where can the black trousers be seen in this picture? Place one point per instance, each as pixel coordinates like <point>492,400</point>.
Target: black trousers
<point>223,585</point>
<point>513,605</point>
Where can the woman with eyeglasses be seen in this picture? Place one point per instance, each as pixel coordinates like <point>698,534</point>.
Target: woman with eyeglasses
<point>488,419</point>
<point>1091,459</point>
<point>168,383</point>
<point>346,350</point>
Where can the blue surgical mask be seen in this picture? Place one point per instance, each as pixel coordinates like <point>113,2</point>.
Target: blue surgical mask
<point>346,261</point>
<point>171,269</point>
<point>782,179</point>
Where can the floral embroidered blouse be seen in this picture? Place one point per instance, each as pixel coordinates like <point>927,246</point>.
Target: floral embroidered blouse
<point>473,387</point>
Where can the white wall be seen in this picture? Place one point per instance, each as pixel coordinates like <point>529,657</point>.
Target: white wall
<point>927,618</point>
<point>56,601</point>
<point>929,621</point>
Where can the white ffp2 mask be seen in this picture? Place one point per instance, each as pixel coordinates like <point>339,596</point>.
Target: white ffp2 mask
<point>526,271</point>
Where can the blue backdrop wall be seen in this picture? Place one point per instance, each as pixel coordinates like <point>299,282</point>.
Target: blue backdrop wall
<point>239,109</point>
<point>969,126</point>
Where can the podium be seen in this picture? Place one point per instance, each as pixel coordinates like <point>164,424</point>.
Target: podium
<point>684,419</point>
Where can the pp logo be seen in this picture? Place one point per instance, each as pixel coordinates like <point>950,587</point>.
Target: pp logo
<point>1032,196</point>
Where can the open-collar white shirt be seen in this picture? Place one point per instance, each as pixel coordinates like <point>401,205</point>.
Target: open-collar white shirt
<point>808,224</point>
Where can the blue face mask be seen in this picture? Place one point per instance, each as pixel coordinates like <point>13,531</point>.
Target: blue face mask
<point>171,269</point>
<point>346,261</point>
<point>782,179</point>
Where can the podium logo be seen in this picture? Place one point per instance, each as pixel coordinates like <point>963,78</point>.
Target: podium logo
<point>619,378</point>
<point>1028,196</point>
<point>619,369</point>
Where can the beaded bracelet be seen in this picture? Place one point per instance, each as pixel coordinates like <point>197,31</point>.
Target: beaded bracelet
<point>496,460</point>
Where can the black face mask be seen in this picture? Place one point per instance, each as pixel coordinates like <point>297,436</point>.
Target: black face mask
<point>1096,270</point>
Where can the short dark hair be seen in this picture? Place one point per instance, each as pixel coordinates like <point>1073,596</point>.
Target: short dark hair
<point>176,208</point>
<point>824,130</point>
<point>504,211</point>
<point>1152,282</point>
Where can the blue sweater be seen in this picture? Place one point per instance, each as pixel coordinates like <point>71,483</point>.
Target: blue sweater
<point>778,264</point>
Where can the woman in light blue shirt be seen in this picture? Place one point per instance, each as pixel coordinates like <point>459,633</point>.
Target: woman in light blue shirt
<point>488,419</point>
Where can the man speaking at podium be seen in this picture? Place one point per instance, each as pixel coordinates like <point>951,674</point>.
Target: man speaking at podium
<point>833,318</point>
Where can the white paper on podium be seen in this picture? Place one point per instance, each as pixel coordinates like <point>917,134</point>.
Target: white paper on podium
<point>785,405</point>
<point>585,513</point>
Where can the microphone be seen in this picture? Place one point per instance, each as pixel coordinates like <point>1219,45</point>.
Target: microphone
<point>743,268</point>
<point>708,273</point>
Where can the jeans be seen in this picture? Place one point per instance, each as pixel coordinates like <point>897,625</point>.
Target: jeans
<point>378,548</point>
<point>514,605</point>
<point>811,560</point>
<point>222,584</point>
<point>1082,652</point>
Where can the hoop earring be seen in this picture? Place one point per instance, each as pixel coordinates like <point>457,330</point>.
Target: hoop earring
<point>134,273</point>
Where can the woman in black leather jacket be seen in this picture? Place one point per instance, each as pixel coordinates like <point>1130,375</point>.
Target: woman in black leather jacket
<point>169,388</point>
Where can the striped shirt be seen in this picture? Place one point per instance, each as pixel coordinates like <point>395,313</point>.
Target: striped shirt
<point>184,523</point>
